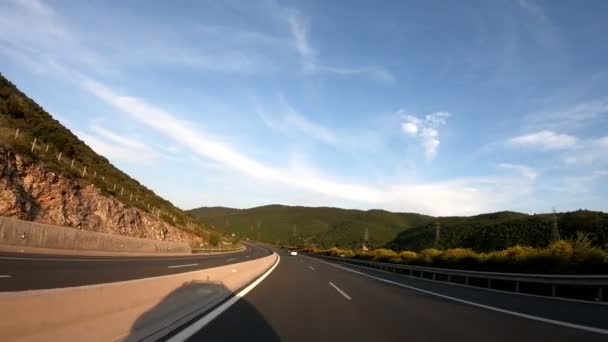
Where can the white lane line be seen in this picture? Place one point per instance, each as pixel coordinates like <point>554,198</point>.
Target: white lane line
<point>508,312</point>
<point>231,259</point>
<point>5,276</point>
<point>312,268</point>
<point>177,266</point>
<point>340,291</point>
<point>201,323</point>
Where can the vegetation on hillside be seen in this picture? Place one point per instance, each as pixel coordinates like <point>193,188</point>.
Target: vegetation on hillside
<point>56,148</point>
<point>497,231</point>
<point>576,256</point>
<point>300,226</point>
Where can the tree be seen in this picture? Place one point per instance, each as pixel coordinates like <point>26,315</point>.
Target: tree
<point>215,239</point>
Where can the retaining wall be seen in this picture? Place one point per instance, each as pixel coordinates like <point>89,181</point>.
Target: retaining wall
<point>16,232</point>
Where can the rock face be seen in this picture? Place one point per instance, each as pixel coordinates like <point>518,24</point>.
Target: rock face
<point>29,192</point>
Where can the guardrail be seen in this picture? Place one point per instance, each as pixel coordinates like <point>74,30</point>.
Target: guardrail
<point>581,287</point>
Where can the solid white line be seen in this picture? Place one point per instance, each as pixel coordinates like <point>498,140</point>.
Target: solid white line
<point>340,291</point>
<point>117,258</point>
<point>518,314</point>
<point>177,266</point>
<point>5,276</point>
<point>201,323</point>
<point>312,268</point>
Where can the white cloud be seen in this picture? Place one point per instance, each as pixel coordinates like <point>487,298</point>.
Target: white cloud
<point>545,140</point>
<point>299,30</point>
<point>524,170</point>
<point>600,173</point>
<point>589,152</point>
<point>409,128</point>
<point>581,114</point>
<point>446,198</point>
<point>426,130</point>
<point>290,122</point>
<point>117,147</point>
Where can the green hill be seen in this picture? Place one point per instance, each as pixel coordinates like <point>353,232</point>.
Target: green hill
<point>500,230</point>
<point>322,226</point>
<point>23,122</point>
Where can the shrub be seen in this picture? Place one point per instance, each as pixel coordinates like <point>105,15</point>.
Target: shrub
<point>383,254</point>
<point>215,239</point>
<point>408,256</point>
<point>429,255</point>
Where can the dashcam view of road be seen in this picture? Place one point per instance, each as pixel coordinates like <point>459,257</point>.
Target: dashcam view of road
<point>281,170</point>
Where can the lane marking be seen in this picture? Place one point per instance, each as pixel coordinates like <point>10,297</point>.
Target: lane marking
<point>340,291</point>
<point>5,276</point>
<point>312,268</point>
<point>178,266</point>
<point>488,307</point>
<point>201,323</point>
<point>231,259</point>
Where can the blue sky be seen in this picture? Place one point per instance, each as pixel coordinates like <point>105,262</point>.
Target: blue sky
<point>447,108</point>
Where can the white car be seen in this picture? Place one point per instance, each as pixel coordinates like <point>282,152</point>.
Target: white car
<point>293,253</point>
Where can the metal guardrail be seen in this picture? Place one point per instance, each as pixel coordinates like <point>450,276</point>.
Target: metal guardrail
<point>582,287</point>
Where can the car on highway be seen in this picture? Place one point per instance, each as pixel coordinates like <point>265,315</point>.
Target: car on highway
<point>292,252</point>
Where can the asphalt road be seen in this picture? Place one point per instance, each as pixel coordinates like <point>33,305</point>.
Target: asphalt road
<point>305,299</point>
<point>19,271</point>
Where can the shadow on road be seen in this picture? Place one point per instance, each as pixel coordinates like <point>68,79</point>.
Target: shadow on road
<point>192,301</point>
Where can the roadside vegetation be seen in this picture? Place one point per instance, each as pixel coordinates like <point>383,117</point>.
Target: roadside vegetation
<point>575,256</point>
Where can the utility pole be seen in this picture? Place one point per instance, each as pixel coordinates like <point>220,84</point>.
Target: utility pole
<point>555,236</point>
<point>437,234</point>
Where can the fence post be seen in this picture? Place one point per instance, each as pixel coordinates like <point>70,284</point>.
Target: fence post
<point>59,156</point>
<point>34,144</point>
<point>84,171</point>
<point>17,133</point>
<point>121,190</point>
<point>72,165</point>
<point>46,149</point>
<point>600,294</point>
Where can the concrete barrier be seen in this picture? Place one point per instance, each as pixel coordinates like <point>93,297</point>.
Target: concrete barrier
<point>32,234</point>
<point>144,309</point>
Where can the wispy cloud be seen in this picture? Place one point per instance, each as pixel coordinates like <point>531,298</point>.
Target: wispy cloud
<point>592,151</point>
<point>572,117</point>
<point>524,170</point>
<point>544,140</point>
<point>426,130</point>
<point>118,147</point>
<point>299,29</point>
<point>290,122</point>
<point>453,197</point>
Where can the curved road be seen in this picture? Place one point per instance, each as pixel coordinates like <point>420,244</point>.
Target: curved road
<point>19,271</point>
<point>306,299</point>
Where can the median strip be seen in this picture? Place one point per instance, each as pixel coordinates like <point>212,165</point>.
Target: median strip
<point>178,266</point>
<point>340,291</point>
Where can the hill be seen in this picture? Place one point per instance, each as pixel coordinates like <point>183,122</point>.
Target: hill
<point>496,231</point>
<point>322,226</point>
<point>34,143</point>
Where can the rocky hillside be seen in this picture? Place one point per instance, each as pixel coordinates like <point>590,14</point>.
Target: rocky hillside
<point>48,174</point>
<point>30,192</point>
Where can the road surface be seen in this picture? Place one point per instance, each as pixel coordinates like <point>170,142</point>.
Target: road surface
<point>19,271</point>
<point>305,299</point>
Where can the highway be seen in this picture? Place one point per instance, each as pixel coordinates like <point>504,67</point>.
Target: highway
<point>19,271</point>
<point>305,299</point>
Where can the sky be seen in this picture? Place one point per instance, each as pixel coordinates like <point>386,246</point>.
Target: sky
<point>437,107</point>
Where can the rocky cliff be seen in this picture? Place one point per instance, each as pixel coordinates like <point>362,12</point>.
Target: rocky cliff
<point>30,192</point>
